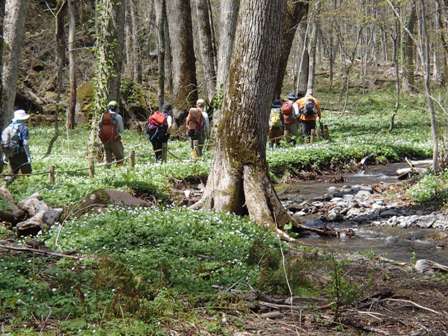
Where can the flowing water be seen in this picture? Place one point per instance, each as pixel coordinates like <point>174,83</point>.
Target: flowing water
<point>390,242</point>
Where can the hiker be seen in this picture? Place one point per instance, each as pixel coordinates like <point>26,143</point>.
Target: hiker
<point>15,143</point>
<point>110,128</point>
<point>157,130</point>
<point>195,129</point>
<point>275,123</point>
<point>290,118</point>
<point>309,113</point>
<point>200,104</point>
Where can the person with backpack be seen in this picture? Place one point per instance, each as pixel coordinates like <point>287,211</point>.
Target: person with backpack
<point>110,128</point>
<point>157,130</point>
<point>309,113</point>
<point>195,128</point>
<point>205,132</point>
<point>15,145</point>
<point>275,134</point>
<point>290,118</point>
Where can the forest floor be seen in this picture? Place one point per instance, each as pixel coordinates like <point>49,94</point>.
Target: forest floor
<point>167,270</point>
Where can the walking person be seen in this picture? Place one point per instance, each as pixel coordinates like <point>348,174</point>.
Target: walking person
<point>205,132</point>
<point>157,130</point>
<point>15,138</point>
<point>309,113</point>
<point>195,127</point>
<point>290,121</point>
<point>276,124</point>
<point>110,128</point>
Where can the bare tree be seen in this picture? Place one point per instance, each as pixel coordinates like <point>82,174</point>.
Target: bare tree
<point>312,47</point>
<point>184,60</point>
<point>206,46</point>
<point>296,10</point>
<point>409,50</point>
<point>239,180</point>
<point>227,23</point>
<point>14,36</point>
<point>159,6</point>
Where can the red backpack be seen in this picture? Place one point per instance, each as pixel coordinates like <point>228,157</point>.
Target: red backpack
<point>157,119</point>
<point>288,113</point>
<point>108,128</point>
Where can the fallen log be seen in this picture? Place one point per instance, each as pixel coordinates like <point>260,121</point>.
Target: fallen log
<point>429,266</point>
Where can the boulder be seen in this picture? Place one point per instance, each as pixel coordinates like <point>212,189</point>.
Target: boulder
<point>33,205</point>
<point>362,194</point>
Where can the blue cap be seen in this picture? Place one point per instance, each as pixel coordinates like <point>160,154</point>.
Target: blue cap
<point>292,96</point>
<point>276,103</point>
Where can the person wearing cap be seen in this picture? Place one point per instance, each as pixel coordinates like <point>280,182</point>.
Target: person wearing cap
<point>110,129</point>
<point>158,131</point>
<point>205,132</point>
<point>275,123</point>
<point>15,145</point>
<point>309,114</point>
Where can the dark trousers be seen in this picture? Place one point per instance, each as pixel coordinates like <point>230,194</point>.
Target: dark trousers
<point>114,149</point>
<point>19,163</point>
<point>307,127</point>
<point>157,146</point>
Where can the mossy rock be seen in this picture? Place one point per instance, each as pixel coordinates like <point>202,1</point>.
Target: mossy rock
<point>134,101</point>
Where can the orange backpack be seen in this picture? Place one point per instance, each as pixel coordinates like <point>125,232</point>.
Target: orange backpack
<point>108,128</point>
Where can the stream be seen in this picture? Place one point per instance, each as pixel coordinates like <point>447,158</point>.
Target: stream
<point>383,225</point>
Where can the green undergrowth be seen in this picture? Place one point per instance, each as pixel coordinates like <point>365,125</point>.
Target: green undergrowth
<point>144,269</point>
<point>431,189</point>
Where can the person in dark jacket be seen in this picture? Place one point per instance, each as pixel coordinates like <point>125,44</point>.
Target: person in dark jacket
<point>157,130</point>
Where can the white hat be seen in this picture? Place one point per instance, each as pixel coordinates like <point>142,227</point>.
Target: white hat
<point>20,115</point>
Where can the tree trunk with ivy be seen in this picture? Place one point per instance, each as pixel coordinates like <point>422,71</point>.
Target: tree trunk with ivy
<point>14,36</point>
<point>184,61</point>
<point>71,7</point>
<point>109,28</point>
<point>2,17</point>
<point>239,180</point>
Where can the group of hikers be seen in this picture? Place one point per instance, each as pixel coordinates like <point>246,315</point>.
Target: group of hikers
<point>285,119</point>
<point>298,115</point>
<point>157,129</point>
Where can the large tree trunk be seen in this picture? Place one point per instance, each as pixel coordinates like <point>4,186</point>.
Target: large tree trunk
<point>295,12</point>
<point>227,23</point>
<point>70,122</point>
<point>409,51</point>
<point>14,35</point>
<point>168,56</point>
<point>184,60</point>
<point>137,64</point>
<point>238,181</point>
<point>208,54</point>
<point>159,6</point>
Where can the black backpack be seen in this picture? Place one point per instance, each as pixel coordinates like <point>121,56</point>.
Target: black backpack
<point>310,108</point>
